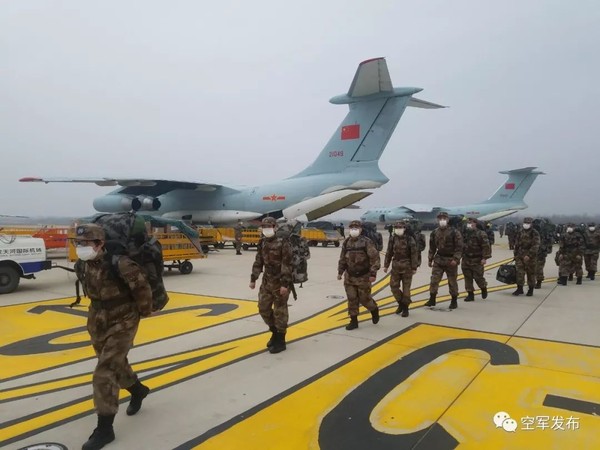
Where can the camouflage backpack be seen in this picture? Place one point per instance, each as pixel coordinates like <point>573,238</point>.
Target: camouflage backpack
<point>369,230</point>
<point>126,235</point>
<point>300,252</point>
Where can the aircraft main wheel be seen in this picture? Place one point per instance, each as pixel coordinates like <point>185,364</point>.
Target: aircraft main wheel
<point>186,267</point>
<point>9,280</point>
<point>245,247</point>
<point>337,243</point>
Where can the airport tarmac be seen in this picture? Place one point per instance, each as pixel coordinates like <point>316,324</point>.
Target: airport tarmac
<point>502,373</point>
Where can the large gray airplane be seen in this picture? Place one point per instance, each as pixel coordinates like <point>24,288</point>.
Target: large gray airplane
<point>339,177</point>
<point>507,200</point>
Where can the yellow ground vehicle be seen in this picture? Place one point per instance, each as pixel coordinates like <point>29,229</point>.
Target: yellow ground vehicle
<point>316,236</point>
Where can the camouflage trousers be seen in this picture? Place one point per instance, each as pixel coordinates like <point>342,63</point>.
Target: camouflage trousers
<point>238,245</point>
<point>272,306</point>
<point>569,264</point>
<point>526,268</point>
<point>401,273</point>
<point>511,241</point>
<point>591,262</point>
<point>112,332</point>
<point>539,268</point>
<point>472,269</point>
<point>358,291</point>
<point>441,265</point>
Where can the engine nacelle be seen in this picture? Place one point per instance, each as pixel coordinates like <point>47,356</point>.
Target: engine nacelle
<point>117,203</point>
<point>149,203</point>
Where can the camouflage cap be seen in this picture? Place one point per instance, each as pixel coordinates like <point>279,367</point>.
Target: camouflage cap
<point>268,222</point>
<point>355,224</point>
<point>591,224</point>
<point>442,214</point>
<point>472,219</point>
<point>400,224</point>
<point>528,220</point>
<point>89,232</point>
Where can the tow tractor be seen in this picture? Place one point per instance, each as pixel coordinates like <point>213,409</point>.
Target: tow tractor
<point>20,257</point>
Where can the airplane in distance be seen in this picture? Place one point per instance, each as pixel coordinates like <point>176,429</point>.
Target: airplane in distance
<point>508,199</point>
<point>339,176</point>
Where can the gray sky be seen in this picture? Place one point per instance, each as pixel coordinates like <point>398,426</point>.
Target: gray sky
<point>237,92</point>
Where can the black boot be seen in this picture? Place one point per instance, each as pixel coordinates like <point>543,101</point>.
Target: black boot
<point>238,253</point>
<point>538,284</point>
<point>453,303</point>
<point>399,308</point>
<point>592,276</point>
<point>375,315</point>
<point>589,275</point>
<point>579,280</point>
<point>278,343</point>
<point>431,301</point>
<point>404,310</point>
<point>562,281</point>
<point>102,435</point>
<point>353,323</point>
<point>138,393</point>
<point>273,331</point>
<point>484,293</point>
<point>570,277</point>
<point>519,290</point>
<point>529,291</point>
<point>470,297</point>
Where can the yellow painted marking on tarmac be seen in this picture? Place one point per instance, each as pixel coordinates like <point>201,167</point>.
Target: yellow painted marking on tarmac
<point>19,325</point>
<point>435,394</point>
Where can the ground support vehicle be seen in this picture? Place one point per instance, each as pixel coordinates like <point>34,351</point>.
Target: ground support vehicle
<point>20,257</point>
<point>316,236</point>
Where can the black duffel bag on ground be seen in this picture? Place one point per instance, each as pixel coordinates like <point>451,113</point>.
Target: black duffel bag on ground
<point>507,273</point>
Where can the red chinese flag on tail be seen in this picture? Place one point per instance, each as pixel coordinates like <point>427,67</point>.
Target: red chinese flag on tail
<point>350,132</point>
<point>509,186</point>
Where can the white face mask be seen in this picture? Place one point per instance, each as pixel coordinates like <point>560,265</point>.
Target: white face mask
<point>569,230</point>
<point>354,232</point>
<point>399,231</point>
<point>471,226</point>
<point>86,253</point>
<point>592,228</point>
<point>443,223</point>
<point>268,232</point>
<point>526,226</point>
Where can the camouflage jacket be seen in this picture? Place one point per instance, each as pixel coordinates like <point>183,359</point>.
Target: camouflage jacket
<point>359,257</point>
<point>476,245</point>
<point>572,244</point>
<point>592,241</point>
<point>402,248</point>
<point>238,229</point>
<point>527,243</point>
<point>274,258</point>
<point>446,242</point>
<point>101,283</point>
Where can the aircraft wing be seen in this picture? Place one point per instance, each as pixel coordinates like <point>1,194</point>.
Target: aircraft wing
<point>157,185</point>
<point>420,208</point>
<point>322,205</point>
<point>497,215</point>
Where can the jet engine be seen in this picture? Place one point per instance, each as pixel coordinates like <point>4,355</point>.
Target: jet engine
<point>117,203</point>
<point>149,203</point>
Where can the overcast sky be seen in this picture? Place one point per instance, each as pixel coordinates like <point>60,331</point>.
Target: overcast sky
<point>237,92</point>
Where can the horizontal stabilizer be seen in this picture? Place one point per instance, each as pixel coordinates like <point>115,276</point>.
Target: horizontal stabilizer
<point>322,205</point>
<point>417,103</point>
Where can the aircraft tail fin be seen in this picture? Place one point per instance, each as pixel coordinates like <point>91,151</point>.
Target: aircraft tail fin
<point>516,186</point>
<point>375,109</point>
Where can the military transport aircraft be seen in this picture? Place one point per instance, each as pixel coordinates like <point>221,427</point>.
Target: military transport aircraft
<point>339,177</point>
<point>507,200</point>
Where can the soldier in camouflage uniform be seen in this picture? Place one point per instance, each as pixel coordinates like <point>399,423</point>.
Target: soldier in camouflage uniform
<point>118,300</point>
<point>476,252</point>
<point>570,255</point>
<point>274,259</point>
<point>544,227</point>
<point>238,229</point>
<point>592,248</point>
<point>445,252</point>
<point>511,233</point>
<point>359,263</point>
<point>527,244</point>
<point>402,253</point>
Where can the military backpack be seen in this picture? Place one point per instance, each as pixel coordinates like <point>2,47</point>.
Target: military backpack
<point>300,252</point>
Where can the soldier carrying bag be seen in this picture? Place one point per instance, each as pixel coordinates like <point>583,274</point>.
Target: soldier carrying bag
<point>507,273</point>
